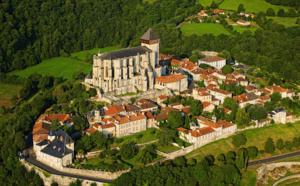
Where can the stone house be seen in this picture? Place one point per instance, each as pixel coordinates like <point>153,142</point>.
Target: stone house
<point>161,99</point>
<point>278,115</point>
<point>202,13</point>
<point>218,11</point>
<point>57,151</point>
<point>242,81</point>
<point>284,92</point>
<point>63,119</point>
<point>243,99</point>
<point>238,75</point>
<point>201,94</point>
<point>176,105</point>
<point>215,61</point>
<point>173,82</point>
<point>219,94</point>
<point>207,106</point>
<point>219,74</point>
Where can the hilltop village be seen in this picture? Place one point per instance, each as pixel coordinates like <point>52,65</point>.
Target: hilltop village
<point>198,103</point>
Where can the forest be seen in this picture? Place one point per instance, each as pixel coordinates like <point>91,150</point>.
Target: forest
<point>37,30</point>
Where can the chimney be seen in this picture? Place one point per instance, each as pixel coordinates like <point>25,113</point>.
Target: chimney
<point>54,146</point>
<point>61,138</point>
<point>59,148</point>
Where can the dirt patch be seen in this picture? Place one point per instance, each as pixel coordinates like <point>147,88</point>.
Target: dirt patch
<point>277,173</point>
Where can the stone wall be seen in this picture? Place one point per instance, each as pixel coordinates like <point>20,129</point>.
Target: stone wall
<point>61,180</point>
<point>263,171</point>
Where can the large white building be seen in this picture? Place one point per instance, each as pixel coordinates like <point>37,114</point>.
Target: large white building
<point>127,70</point>
<point>214,61</point>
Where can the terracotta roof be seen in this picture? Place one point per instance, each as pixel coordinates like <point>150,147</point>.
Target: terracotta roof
<point>199,132</point>
<point>186,110</point>
<point>175,62</point>
<point>212,124</point>
<point>202,13</point>
<point>218,11</point>
<point>161,117</point>
<point>276,88</point>
<point>235,73</point>
<point>204,94</point>
<point>214,99</point>
<point>170,78</point>
<point>148,105</point>
<point>211,71</point>
<point>41,128</point>
<point>263,90</point>
<point>163,97</point>
<point>210,86</point>
<point>260,101</point>
<point>202,118</point>
<point>212,59</point>
<point>188,65</point>
<point>241,98</point>
<point>38,138</point>
<point>229,81</point>
<point>205,104</point>
<point>200,89</point>
<point>264,97</point>
<point>51,117</point>
<point>226,110</point>
<point>148,115</point>
<point>203,76</point>
<point>288,114</point>
<point>164,56</point>
<point>221,91</point>
<point>175,104</point>
<point>225,124</point>
<point>199,71</point>
<point>111,125</point>
<point>125,119</point>
<point>130,107</point>
<point>230,76</point>
<point>107,120</point>
<point>169,109</point>
<point>249,88</point>
<point>114,109</point>
<point>241,79</point>
<point>251,96</point>
<point>48,109</point>
<point>90,130</point>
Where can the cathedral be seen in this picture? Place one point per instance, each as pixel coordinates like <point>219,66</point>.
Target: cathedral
<point>127,70</point>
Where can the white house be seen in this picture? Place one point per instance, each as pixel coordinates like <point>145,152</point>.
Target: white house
<point>242,22</point>
<point>214,61</point>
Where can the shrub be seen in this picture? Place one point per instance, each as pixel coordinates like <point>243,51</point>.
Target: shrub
<point>239,139</point>
<point>295,142</point>
<point>139,136</point>
<point>252,151</point>
<point>269,146</point>
<point>279,144</point>
<point>128,150</point>
<point>118,140</point>
<point>288,145</point>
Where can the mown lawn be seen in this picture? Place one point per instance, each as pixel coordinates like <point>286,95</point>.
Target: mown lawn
<point>249,177</point>
<point>286,21</point>
<point>7,91</point>
<point>250,6</point>
<point>202,28</point>
<point>82,54</point>
<point>255,137</point>
<point>130,94</point>
<point>241,29</point>
<point>147,136</point>
<point>166,148</point>
<point>58,67</point>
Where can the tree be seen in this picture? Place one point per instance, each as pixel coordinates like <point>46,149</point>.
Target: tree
<point>230,157</point>
<point>194,58</point>
<point>252,151</point>
<point>180,161</point>
<point>242,160</point>
<point>269,146</point>
<point>216,175</point>
<point>280,13</point>
<point>270,12</point>
<point>132,99</point>
<point>222,159</point>
<point>19,141</point>
<point>147,154</point>
<point>296,142</point>
<point>211,159</point>
<point>275,97</point>
<point>196,107</point>
<point>201,171</point>
<point>201,83</point>
<point>242,117</point>
<point>288,145</point>
<point>279,144</point>
<point>239,140</point>
<point>214,5</point>
<point>231,174</point>
<point>55,125</point>
<point>230,103</point>
<point>128,150</point>
<point>166,136</point>
<point>79,123</point>
<point>298,21</point>
<point>99,140</point>
<point>241,8</point>
<point>225,54</point>
<point>227,69</point>
<point>258,111</point>
<point>175,120</point>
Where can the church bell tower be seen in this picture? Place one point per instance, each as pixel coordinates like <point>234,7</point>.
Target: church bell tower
<point>151,40</point>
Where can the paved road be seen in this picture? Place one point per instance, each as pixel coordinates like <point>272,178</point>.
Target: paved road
<point>266,160</point>
<point>53,171</point>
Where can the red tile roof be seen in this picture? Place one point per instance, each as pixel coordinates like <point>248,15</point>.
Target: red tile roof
<point>242,21</point>
<point>51,117</point>
<point>186,110</point>
<point>218,11</point>
<point>111,125</point>
<point>212,59</point>
<point>241,98</point>
<point>161,117</point>
<point>221,91</point>
<point>114,109</point>
<point>197,133</point>
<point>175,62</point>
<point>249,88</point>
<point>170,78</point>
<point>149,115</point>
<point>163,97</point>
<point>264,97</point>
<point>276,88</point>
<point>41,128</point>
<point>225,124</point>
<point>226,110</point>
<point>125,119</point>
<point>212,124</point>
<point>205,104</point>
<point>210,86</point>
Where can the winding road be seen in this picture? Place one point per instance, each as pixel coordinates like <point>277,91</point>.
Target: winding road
<point>274,158</point>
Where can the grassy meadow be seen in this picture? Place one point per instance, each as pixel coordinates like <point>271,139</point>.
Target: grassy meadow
<point>7,91</point>
<point>286,21</point>
<point>241,29</point>
<point>255,137</point>
<point>250,6</point>
<point>208,2</point>
<point>202,28</point>
<point>58,67</point>
<point>63,67</point>
<point>82,54</point>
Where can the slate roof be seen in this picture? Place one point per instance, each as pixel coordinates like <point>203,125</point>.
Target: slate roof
<point>182,72</point>
<point>150,35</point>
<point>125,53</point>
<point>251,96</point>
<point>57,147</point>
<point>89,76</point>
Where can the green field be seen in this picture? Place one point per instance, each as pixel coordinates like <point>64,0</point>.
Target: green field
<point>286,21</point>
<point>208,2</point>
<point>202,28</point>
<point>63,67</point>
<point>58,67</point>
<point>241,29</point>
<point>250,5</point>
<point>255,137</point>
<point>82,54</point>
<point>7,91</point>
